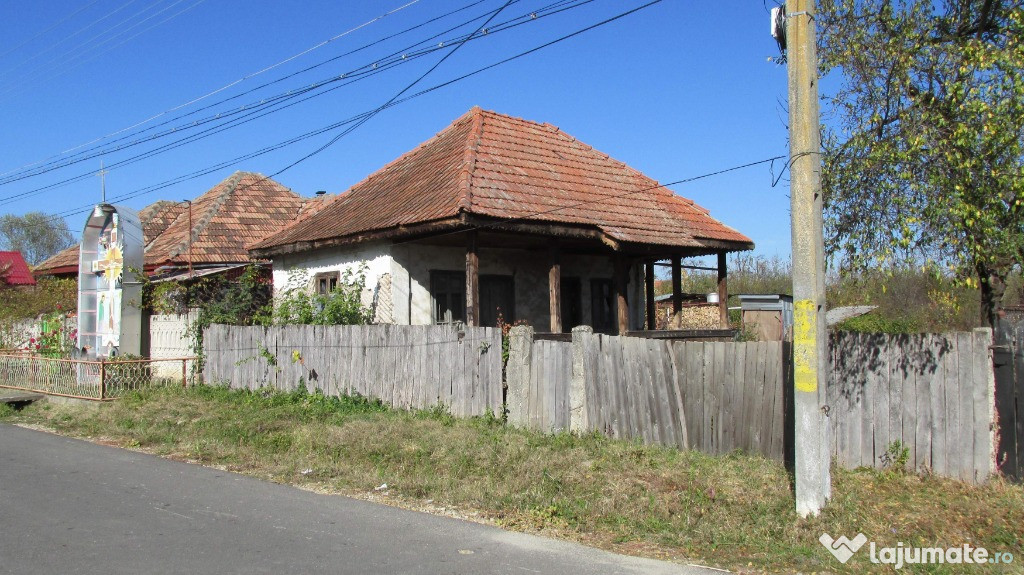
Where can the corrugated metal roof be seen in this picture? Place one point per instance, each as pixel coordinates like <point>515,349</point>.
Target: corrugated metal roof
<point>490,164</point>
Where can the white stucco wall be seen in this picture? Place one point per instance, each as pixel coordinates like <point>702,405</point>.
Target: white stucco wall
<point>294,267</point>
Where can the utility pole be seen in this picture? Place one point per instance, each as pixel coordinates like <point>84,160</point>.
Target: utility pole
<point>810,369</point>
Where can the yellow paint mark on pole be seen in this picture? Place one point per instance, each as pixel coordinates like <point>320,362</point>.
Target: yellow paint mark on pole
<point>805,330</point>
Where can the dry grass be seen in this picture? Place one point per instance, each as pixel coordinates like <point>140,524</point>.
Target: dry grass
<point>734,512</point>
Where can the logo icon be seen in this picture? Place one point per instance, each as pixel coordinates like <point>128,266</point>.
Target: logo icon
<point>843,548</point>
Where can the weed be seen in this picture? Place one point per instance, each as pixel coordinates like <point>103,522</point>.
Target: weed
<point>6,410</point>
<point>896,457</point>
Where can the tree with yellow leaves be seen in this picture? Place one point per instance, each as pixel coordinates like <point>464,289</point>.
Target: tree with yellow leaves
<point>924,138</point>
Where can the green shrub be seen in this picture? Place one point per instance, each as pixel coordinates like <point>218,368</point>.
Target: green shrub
<point>343,305</point>
<point>875,323</point>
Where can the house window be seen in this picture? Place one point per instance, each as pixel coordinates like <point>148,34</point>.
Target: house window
<point>325,282</point>
<point>572,307</point>
<point>448,291</point>
<point>602,306</point>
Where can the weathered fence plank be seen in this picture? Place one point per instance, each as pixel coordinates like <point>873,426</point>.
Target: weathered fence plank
<point>404,366</point>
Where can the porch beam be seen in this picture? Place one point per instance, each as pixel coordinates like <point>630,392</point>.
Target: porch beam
<point>555,287</point>
<point>652,318</point>
<point>677,285</point>
<point>621,265</point>
<point>472,280</point>
<point>723,291</point>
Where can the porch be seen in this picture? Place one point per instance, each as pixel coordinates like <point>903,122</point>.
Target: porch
<point>505,268</point>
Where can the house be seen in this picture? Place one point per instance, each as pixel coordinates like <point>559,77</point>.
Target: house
<point>239,210</point>
<point>497,214</point>
<point>14,270</point>
<point>223,221</point>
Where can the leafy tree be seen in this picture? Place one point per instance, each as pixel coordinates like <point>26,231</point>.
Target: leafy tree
<point>923,155</point>
<point>36,235</point>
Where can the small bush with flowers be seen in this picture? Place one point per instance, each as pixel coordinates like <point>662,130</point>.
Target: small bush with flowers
<point>56,335</point>
<point>505,328</point>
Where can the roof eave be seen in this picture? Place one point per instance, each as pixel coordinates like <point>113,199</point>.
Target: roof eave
<point>396,232</point>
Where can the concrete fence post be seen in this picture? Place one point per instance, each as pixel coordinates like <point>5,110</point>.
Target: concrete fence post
<point>578,422</point>
<point>517,374</point>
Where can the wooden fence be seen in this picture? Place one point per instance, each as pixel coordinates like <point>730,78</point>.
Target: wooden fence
<point>404,366</point>
<point>934,393</point>
<point>713,396</point>
<point>1009,368</point>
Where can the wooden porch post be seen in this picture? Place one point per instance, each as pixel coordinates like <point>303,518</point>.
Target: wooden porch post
<point>621,300</point>
<point>652,318</point>
<point>677,285</point>
<point>723,292</point>
<point>472,281</point>
<point>555,288</point>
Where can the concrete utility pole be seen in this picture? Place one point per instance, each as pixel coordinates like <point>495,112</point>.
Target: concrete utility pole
<point>810,370</point>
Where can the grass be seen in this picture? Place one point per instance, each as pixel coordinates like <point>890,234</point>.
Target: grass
<point>734,511</point>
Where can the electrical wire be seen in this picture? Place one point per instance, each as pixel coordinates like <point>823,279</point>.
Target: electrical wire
<point>249,76</point>
<point>210,169</point>
<point>368,117</point>
<point>374,66</point>
<point>18,82</point>
<point>70,64</point>
<point>396,58</point>
<point>49,28</point>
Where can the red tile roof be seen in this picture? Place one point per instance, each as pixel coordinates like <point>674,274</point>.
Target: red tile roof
<point>489,164</point>
<point>63,262</point>
<point>14,271</point>
<point>239,210</point>
<point>235,212</point>
<point>154,219</point>
<point>157,216</point>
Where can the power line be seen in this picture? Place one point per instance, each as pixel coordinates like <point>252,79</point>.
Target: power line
<point>370,68</point>
<point>331,127</point>
<point>49,28</point>
<point>68,62</point>
<point>20,82</point>
<point>267,106</point>
<point>368,117</point>
<point>130,38</point>
<point>244,78</point>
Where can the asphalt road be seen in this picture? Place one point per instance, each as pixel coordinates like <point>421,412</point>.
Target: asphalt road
<point>70,506</point>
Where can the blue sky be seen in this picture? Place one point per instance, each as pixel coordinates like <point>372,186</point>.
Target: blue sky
<point>675,90</point>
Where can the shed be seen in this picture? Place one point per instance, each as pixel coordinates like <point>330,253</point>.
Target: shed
<point>770,316</point>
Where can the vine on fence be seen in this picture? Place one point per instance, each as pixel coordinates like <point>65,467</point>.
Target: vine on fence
<point>249,301</point>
